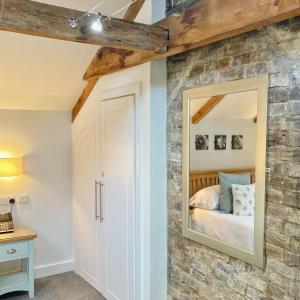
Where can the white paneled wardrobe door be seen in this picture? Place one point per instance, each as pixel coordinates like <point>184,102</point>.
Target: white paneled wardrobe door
<point>117,127</point>
<point>86,201</point>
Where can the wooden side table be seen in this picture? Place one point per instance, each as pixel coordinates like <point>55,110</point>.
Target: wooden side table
<point>18,246</point>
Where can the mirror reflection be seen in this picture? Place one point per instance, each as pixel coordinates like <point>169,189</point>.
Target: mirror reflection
<point>222,160</point>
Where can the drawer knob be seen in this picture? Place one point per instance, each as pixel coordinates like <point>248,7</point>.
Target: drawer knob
<point>11,251</point>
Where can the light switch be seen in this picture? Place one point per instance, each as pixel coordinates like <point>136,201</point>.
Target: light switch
<point>24,198</point>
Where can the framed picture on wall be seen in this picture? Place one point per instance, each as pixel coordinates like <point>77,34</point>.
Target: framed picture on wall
<point>201,142</point>
<point>237,142</point>
<point>220,142</point>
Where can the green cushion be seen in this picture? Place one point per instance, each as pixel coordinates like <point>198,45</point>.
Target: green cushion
<point>226,180</point>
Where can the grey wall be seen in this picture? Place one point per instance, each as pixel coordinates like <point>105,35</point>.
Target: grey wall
<point>43,139</point>
<point>158,180</point>
<point>195,271</point>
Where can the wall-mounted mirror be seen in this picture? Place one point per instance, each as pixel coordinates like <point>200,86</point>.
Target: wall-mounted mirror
<point>224,163</point>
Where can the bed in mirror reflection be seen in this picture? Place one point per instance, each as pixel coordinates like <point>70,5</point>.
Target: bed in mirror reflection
<point>235,227</point>
<point>224,145</point>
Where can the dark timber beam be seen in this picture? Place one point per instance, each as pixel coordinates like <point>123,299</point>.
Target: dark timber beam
<point>130,15</point>
<point>204,22</point>
<point>39,19</point>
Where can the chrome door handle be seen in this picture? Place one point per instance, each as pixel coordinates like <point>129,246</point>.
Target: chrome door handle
<point>96,199</point>
<point>11,251</point>
<point>101,202</point>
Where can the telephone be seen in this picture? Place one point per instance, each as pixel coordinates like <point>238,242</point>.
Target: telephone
<point>6,223</point>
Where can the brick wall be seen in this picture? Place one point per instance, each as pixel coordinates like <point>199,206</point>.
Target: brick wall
<point>198,272</point>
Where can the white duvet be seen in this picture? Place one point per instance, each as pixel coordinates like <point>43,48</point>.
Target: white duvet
<point>235,230</point>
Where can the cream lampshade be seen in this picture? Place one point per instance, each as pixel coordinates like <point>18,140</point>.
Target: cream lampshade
<point>11,167</point>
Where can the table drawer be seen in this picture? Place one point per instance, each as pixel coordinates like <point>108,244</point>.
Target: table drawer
<point>13,250</point>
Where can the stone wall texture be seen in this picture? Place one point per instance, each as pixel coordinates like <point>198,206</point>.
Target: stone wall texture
<point>176,5</point>
<point>198,272</point>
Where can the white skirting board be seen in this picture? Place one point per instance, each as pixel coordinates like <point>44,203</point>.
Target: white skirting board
<point>53,269</point>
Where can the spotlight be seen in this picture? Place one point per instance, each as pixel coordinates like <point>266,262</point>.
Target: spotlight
<point>97,24</point>
<point>73,22</point>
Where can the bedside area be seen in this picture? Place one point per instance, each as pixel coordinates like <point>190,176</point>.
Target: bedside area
<point>14,246</point>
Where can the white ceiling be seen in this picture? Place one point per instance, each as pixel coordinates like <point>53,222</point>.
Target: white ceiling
<point>234,106</point>
<point>45,74</point>
<point>108,7</point>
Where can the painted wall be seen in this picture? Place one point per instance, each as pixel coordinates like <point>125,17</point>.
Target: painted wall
<point>212,159</point>
<point>44,140</point>
<point>151,118</point>
<point>196,271</point>
<point>158,180</point>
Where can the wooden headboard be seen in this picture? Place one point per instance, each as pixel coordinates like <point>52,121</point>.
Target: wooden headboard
<point>202,179</point>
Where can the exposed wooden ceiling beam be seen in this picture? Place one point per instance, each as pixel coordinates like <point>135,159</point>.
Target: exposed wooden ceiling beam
<point>132,12</point>
<point>202,23</point>
<point>130,15</point>
<point>39,19</point>
<point>83,97</point>
<point>205,109</point>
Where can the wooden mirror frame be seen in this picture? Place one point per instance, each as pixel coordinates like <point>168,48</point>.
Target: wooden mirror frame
<point>260,84</point>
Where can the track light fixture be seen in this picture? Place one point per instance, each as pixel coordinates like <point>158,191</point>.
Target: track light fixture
<point>73,22</point>
<point>97,24</point>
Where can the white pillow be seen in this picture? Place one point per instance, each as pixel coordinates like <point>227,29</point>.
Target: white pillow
<point>207,198</point>
<point>243,199</point>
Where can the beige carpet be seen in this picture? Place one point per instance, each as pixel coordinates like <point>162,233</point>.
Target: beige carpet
<point>67,286</point>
